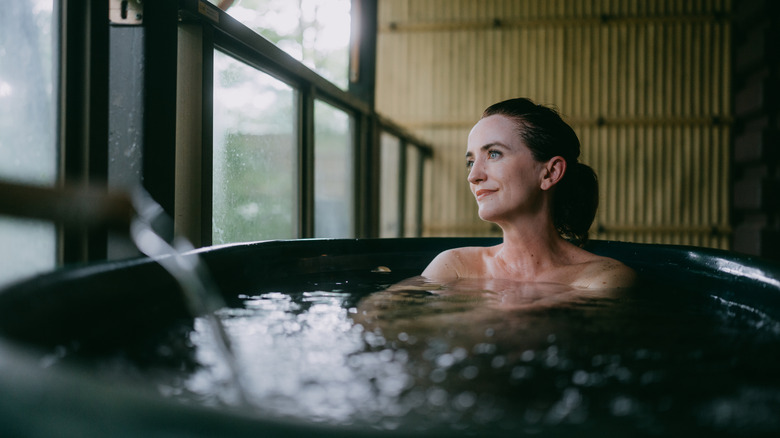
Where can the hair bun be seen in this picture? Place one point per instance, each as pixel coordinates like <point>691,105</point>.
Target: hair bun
<point>576,202</point>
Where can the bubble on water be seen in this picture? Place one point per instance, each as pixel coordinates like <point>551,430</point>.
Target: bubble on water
<point>570,401</point>
<point>393,384</point>
<point>552,360</point>
<point>469,372</point>
<point>386,355</point>
<point>438,375</point>
<point>498,362</point>
<point>375,340</point>
<point>459,353</point>
<point>521,372</point>
<point>483,348</point>
<point>621,406</point>
<point>465,400</point>
<point>623,374</point>
<point>436,396</point>
<point>580,377</point>
<point>445,360</point>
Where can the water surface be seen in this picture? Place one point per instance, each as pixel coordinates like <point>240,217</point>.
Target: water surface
<point>477,356</point>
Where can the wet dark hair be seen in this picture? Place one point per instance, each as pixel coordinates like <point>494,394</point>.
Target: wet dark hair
<point>576,195</point>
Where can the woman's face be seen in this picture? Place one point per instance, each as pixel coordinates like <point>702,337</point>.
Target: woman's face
<point>503,175</point>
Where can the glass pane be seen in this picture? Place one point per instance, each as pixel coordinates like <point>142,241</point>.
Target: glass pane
<point>334,210</point>
<point>28,150</point>
<point>388,186</point>
<point>315,32</point>
<point>413,191</point>
<point>255,155</point>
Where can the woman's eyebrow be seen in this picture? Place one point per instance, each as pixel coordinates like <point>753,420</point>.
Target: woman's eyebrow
<point>470,154</point>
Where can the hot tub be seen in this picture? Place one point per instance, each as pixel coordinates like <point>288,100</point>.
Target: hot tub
<point>553,380</point>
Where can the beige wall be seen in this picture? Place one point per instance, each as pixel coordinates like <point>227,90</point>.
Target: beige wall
<point>644,83</point>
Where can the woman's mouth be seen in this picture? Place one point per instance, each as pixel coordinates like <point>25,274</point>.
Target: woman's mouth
<point>481,193</point>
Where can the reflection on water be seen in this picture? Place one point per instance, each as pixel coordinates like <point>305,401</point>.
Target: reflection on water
<point>500,357</point>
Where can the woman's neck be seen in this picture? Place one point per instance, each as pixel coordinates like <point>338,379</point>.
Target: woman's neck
<point>532,247</point>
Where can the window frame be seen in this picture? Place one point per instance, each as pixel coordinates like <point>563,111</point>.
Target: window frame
<point>173,119</point>
<point>222,32</point>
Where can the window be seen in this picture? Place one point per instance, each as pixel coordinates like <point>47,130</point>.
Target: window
<point>289,156</point>
<point>28,146</point>
<point>315,32</point>
<point>334,199</point>
<point>389,206</point>
<point>255,155</point>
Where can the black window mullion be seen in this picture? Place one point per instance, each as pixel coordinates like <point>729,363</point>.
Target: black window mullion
<point>306,162</point>
<point>84,116</point>
<point>401,187</point>
<point>207,142</point>
<point>419,194</point>
<point>366,177</point>
<point>159,156</point>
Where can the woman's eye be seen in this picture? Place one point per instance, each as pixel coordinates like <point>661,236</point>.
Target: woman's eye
<point>494,154</point>
<point>469,164</point>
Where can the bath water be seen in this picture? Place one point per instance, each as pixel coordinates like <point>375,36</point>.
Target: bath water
<point>475,357</point>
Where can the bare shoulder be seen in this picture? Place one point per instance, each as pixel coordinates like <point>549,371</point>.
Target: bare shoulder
<point>606,273</point>
<point>454,263</point>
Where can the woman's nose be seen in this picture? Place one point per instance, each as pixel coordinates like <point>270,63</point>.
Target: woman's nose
<point>476,173</point>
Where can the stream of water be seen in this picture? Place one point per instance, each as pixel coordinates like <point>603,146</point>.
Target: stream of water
<point>201,295</point>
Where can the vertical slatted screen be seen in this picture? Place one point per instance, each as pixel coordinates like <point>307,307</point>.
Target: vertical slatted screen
<point>644,83</point>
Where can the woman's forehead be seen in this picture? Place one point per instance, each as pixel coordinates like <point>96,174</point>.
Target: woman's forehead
<point>493,129</point>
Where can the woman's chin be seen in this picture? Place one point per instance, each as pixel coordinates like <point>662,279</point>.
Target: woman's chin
<point>488,216</point>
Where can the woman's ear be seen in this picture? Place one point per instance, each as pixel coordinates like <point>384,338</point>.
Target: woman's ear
<point>554,169</point>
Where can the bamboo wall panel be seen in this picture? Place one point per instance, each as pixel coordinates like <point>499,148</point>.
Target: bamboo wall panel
<point>644,83</point>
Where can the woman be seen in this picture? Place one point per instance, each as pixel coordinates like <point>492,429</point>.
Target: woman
<point>523,171</point>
